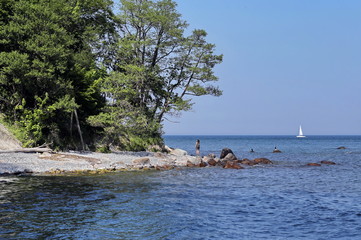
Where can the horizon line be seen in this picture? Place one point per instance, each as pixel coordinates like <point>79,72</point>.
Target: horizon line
<point>295,135</point>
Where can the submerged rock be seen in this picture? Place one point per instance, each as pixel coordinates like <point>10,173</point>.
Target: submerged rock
<point>314,164</point>
<point>328,162</point>
<point>342,147</point>
<point>262,161</point>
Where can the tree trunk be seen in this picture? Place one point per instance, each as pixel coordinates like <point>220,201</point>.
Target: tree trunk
<point>79,130</point>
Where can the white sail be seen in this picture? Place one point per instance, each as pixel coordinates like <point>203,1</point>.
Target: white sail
<point>300,133</point>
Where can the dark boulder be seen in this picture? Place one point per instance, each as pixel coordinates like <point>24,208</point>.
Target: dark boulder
<point>342,147</point>
<point>225,152</point>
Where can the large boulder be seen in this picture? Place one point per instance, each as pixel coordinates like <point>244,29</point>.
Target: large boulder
<point>230,157</point>
<point>225,152</point>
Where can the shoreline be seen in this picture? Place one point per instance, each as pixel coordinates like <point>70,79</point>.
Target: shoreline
<point>90,162</point>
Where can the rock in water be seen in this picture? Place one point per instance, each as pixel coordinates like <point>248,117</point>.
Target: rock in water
<point>202,164</point>
<point>232,165</point>
<point>212,162</point>
<point>225,152</point>
<point>314,164</point>
<point>328,162</point>
<point>262,160</point>
<point>230,156</point>
<point>247,162</point>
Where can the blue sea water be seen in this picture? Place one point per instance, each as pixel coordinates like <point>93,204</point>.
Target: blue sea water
<point>286,200</point>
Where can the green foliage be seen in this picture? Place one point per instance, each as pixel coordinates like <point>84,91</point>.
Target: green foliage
<point>49,50</point>
<point>72,70</point>
<point>165,68</point>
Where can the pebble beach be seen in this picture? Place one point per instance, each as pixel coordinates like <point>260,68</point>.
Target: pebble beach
<point>77,162</point>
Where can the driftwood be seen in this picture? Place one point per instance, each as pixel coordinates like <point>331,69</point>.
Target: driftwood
<point>27,150</point>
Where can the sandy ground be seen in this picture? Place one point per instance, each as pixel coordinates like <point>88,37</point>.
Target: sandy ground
<point>46,163</point>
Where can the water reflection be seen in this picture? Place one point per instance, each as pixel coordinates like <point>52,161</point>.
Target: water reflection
<point>56,207</point>
<point>207,203</point>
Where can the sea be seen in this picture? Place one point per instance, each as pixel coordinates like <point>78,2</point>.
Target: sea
<point>285,200</point>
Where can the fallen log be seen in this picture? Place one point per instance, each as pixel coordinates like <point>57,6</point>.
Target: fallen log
<point>27,150</point>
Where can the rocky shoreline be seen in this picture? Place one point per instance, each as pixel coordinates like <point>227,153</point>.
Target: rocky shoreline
<point>17,163</point>
<point>51,163</point>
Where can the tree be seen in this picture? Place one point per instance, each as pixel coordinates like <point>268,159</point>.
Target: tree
<point>49,55</point>
<point>157,70</point>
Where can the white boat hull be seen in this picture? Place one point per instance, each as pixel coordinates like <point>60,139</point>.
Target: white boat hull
<point>301,136</point>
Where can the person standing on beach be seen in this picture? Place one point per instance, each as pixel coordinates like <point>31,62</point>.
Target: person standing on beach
<point>198,147</point>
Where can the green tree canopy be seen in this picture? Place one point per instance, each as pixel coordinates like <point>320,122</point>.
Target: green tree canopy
<point>157,69</point>
<point>48,65</point>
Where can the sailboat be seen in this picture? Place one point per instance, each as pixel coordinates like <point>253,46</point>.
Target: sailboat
<point>300,133</point>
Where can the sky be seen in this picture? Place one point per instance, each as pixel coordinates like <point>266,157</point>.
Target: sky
<point>286,63</point>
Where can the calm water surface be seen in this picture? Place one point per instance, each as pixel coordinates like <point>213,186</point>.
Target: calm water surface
<point>286,200</point>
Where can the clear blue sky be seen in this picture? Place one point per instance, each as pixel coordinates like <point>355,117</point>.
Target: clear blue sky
<point>286,63</point>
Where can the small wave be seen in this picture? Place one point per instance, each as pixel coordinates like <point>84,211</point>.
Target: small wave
<point>8,179</point>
